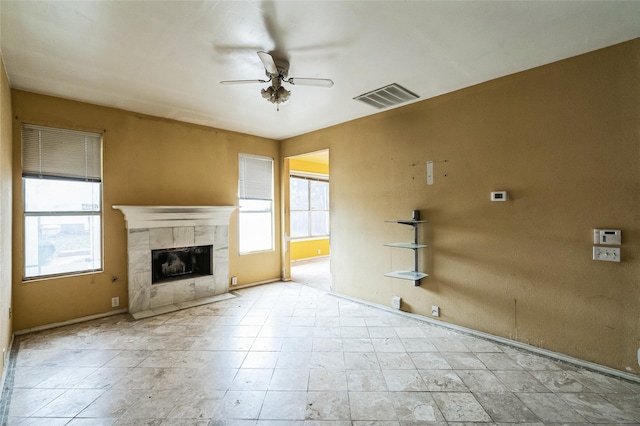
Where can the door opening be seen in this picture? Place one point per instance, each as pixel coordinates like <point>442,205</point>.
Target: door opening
<point>307,224</point>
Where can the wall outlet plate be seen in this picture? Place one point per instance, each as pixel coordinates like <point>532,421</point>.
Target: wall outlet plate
<point>234,280</point>
<point>396,302</point>
<point>499,196</point>
<point>608,254</point>
<point>115,302</point>
<point>435,311</point>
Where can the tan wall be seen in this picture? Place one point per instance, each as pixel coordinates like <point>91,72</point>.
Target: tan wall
<point>563,139</point>
<point>6,327</point>
<point>147,161</point>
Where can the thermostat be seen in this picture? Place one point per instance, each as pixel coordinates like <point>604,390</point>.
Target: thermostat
<point>499,196</point>
<point>612,237</point>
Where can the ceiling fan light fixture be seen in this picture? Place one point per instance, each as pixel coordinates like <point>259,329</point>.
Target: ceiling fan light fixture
<point>387,96</point>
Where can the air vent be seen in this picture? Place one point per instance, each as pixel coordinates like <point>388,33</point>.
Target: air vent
<point>387,96</point>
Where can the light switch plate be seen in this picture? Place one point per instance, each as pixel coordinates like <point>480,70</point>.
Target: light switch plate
<point>609,254</point>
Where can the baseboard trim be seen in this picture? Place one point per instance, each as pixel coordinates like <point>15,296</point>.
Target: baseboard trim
<point>69,322</point>
<point>5,366</point>
<point>238,287</point>
<point>7,375</point>
<point>544,352</point>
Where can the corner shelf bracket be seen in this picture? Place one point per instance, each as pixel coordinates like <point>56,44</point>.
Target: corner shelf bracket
<point>413,275</point>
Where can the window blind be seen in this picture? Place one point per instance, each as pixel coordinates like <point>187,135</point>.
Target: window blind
<point>255,178</point>
<point>48,152</point>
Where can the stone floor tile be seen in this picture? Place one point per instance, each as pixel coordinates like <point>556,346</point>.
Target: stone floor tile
<point>395,361</point>
<point>243,405</point>
<point>505,407</point>
<point>463,361</point>
<point>252,379</point>
<point>416,407</point>
<point>261,360</point>
<point>443,381</point>
<point>519,381</point>
<point>559,381</point>
<point>283,405</point>
<point>429,361</point>
<point>388,345</point>
<point>460,407</point>
<point>481,381</point>
<point>595,408</point>
<point>367,380</point>
<point>70,403</point>
<point>550,408</point>
<point>361,361</point>
<point>404,380</point>
<point>289,379</point>
<point>629,403</point>
<point>326,380</point>
<point>372,406</point>
<point>327,406</point>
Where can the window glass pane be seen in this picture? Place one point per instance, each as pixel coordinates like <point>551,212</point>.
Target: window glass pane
<point>255,225</point>
<point>50,195</point>
<point>319,195</point>
<point>299,224</point>
<point>319,223</point>
<point>62,244</point>
<point>299,194</point>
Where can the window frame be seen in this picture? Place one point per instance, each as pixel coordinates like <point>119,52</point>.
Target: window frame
<point>310,177</point>
<point>96,210</point>
<point>258,198</point>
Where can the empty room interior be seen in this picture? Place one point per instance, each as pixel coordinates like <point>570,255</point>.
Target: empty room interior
<point>319,212</point>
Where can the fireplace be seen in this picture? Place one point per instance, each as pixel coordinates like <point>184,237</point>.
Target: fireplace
<point>180,263</point>
<point>178,256</point>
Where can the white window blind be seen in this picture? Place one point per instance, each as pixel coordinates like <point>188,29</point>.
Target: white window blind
<point>255,178</point>
<point>60,153</point>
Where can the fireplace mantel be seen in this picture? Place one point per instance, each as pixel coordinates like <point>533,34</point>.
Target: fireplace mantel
<point>138,217</point>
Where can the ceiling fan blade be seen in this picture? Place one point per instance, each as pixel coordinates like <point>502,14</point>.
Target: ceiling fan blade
<point>269,63</point>
<point>319,82</point>
<point>243,81</point>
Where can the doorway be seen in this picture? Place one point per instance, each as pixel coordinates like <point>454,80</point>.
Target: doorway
<point>307,225</point>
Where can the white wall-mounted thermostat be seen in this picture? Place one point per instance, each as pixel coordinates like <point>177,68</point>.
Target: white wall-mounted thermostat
<point>499,196</point>
<point>611,237</point>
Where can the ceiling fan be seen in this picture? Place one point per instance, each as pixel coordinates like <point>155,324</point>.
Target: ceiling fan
<point>277,70</point>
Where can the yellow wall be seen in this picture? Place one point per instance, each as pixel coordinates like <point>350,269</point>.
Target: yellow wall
<point>6,328</point>
<point>147,161</point>
<point>563,140</point>
<point>297,164</point>
<point>314,247</point>
<point>309,248</point>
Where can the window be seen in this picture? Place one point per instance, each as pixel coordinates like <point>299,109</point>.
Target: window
<point>255,191</point>
<point>309,207</point>
<point>62,181</point>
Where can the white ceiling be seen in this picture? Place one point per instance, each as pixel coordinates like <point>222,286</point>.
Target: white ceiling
<point>166,58</point>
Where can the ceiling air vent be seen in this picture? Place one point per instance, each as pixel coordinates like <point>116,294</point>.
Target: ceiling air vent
<point>387,96</point>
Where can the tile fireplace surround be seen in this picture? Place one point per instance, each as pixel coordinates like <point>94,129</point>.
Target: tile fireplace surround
<point>165,227</point>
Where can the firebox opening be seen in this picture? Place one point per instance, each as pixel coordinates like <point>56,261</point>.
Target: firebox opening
<point>180,263</point>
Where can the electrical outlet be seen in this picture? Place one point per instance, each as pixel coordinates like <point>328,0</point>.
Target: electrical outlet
<point>234,280</point>
<point>115,302</point>
<point>609,254</point>
<point>435,311</point>
<point>319,252</point>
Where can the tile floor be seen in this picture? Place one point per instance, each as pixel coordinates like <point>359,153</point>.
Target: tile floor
<point>290,354</point>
